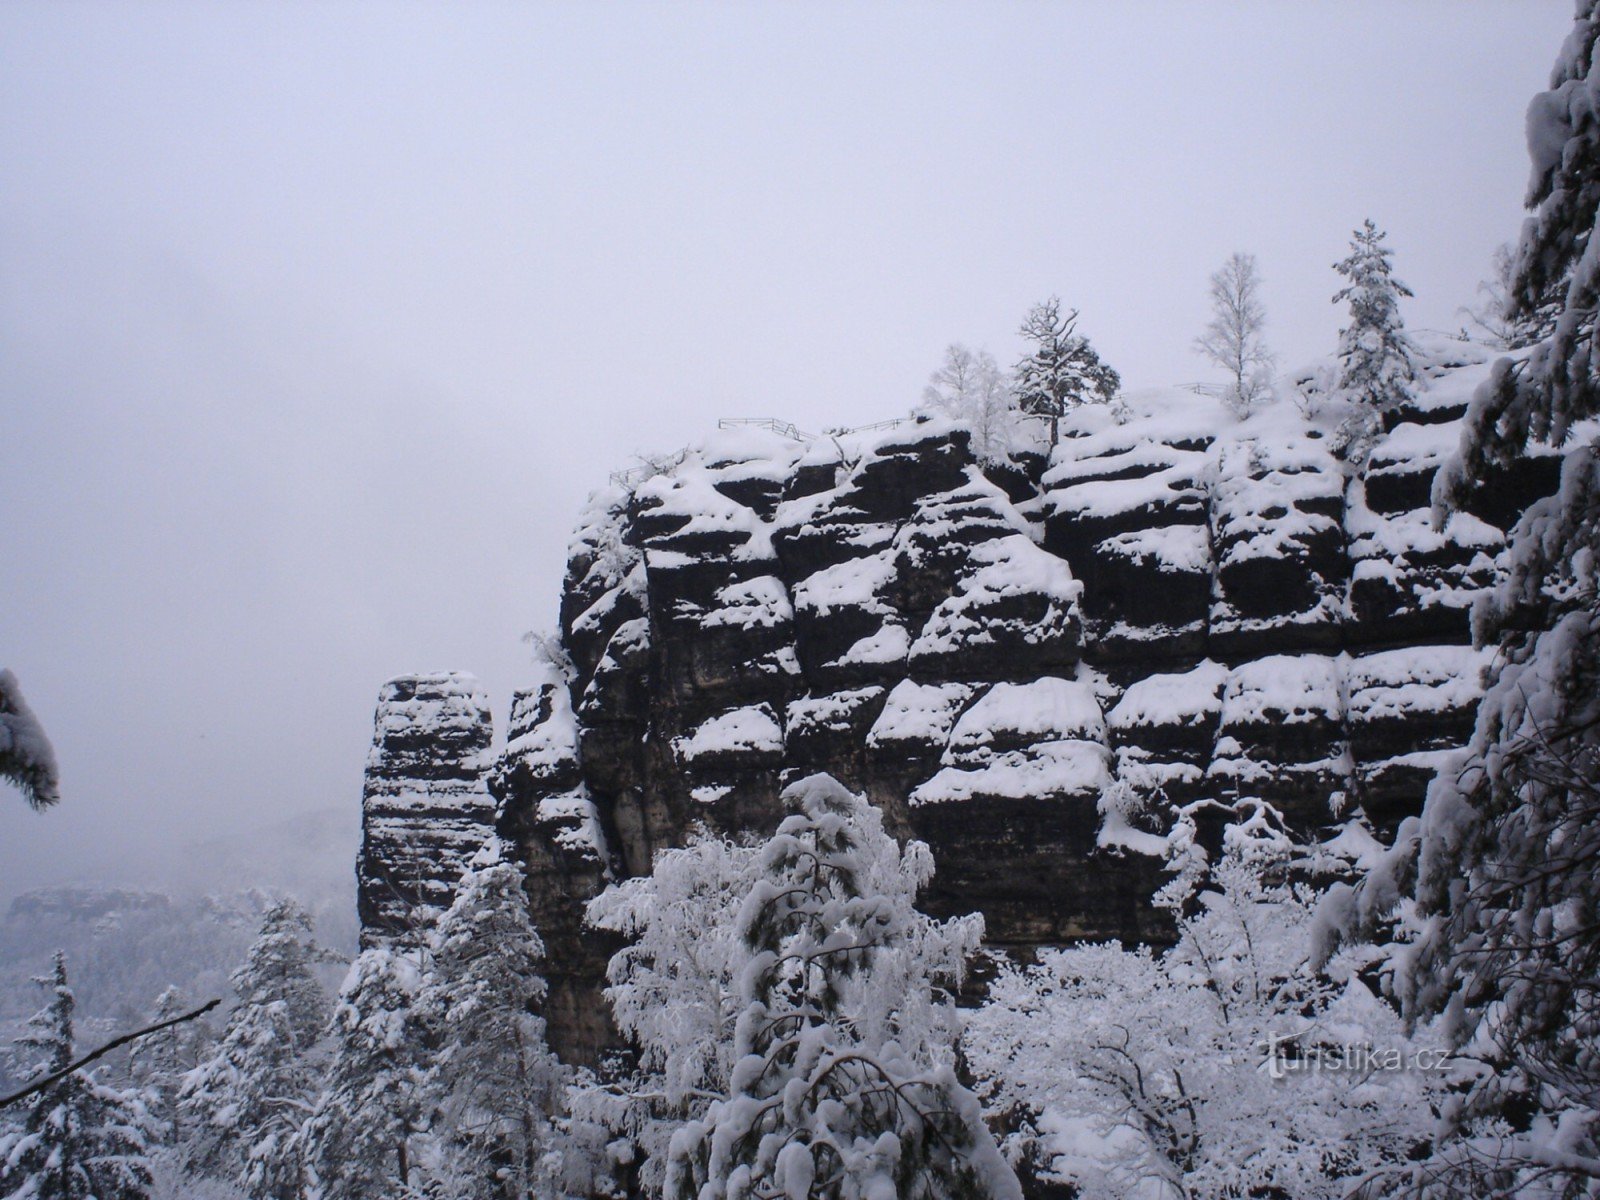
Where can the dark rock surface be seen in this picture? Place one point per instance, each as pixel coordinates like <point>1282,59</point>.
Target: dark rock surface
<point>425,807</point>
<point>1032,666</point>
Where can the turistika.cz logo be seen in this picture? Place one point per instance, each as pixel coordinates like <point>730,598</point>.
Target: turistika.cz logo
<point>1285,1054</point>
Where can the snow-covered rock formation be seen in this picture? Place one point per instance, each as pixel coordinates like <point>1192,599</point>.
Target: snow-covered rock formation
<point>1177,608</point>
<point>425,806</point>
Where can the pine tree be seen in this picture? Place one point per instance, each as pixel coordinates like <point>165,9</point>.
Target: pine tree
<point>492,1074</point>
<point>1376,358</point>
<point>247,1101</point>
<point>79,1140</point>
<point>1063,370</point>
<point>1504,866</point>
<point>1233,338</point>
<point>833,1093</point>
<point>27,760</point>
<point>358,1139</point>
<point>159,1061</point>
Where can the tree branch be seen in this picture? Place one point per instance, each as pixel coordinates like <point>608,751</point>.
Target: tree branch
<point>39,1085</point>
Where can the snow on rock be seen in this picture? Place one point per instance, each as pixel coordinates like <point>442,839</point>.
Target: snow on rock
<point>426,808</point>
<point>1012,715</point>
<point>750,733</point>
<point>917,717</point>
<point>1044,771</point>
<point>943,633</point>
<point>1185,698</point>
<point>1011,598</point>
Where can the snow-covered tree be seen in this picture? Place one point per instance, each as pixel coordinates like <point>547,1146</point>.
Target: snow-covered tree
<point>1493,893</point>
<point>491,1073</point>
<point>27,760</point>
<point>159,1061</point>
<point>1062,370</point>
<point>246,1102</point>
<point>78,1139</point>
<point>1233,339</point>
<point>672,994</point>
<point>837,1088</point>
<point>357,1142</point>
<point>970,386</point>
<point>1217,1069</point>
<point>1377,365</point>
<point>1499,322</point>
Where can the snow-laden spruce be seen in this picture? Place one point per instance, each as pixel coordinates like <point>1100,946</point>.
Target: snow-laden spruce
<point>1377,368</point>
<point>159,1061</point>
<point>1491,896</point>
<point>77,1138</point>
<point>357,1140</point>
<point>27,759</point>
<point>246,1102</point>
<point>490,1073</point>
<point>839,1086</point>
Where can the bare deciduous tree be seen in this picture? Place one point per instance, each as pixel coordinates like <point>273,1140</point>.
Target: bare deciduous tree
<point>1233,338</point>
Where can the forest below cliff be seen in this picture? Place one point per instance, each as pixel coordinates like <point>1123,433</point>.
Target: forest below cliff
<point>1056,791</point>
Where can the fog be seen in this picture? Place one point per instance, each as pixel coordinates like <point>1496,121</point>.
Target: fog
<point>318,322</point>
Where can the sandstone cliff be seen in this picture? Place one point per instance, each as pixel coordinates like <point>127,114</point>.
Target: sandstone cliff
<point>1034,666</point>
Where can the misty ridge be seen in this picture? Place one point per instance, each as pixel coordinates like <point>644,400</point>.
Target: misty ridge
<point>979,760</point>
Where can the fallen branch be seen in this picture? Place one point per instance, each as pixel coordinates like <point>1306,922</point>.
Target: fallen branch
<point>38,1085</point>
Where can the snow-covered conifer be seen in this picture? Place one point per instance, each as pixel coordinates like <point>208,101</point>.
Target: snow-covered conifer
<point>1233,339</point>
<point>159,1061</point>
<point>78,1139</point>
<point>246,1102</point>
<point>970,386</point>
<point>27,760</point>
<point>837,1089</point>
<point>1062,370</point>
<point>672,996</point>
<point>1495,889</point>
<point>1376,359</point>
<point>491,1073</point>
<point>357,1142</point>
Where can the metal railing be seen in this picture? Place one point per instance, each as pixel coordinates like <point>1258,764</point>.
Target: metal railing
<point>786,429</point>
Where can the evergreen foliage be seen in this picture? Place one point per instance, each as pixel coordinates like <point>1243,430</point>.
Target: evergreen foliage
<point>246,1102</point>
<point>1377,368</point>
<point>831,1094</point>
<point>491,1074</point>
<point>1063,370</point>
<point>78,1139</point>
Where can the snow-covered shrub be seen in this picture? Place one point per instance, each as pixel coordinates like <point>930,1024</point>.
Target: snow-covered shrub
<point>1219,1068</point>
<point>837,1088</point>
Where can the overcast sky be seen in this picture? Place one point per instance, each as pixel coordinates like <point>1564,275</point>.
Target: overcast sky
<point>318,322</point>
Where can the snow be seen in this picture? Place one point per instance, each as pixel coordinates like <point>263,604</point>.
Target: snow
<point>919,712</point>
<point>1000,569</point>
<point>889,644</point>
<point>1188,698</point>
<point>759,603</point>
<point>856,583</point>
<point>750,730</point>
<point>1283,689</point>
<point>1046,709</point>
<point>1172,548</point>
<point>1417,679</point>
<point>833,712</point>
<point>1043,771</point>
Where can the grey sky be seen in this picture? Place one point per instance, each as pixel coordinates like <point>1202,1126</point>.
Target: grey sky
<point>318,322</point>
